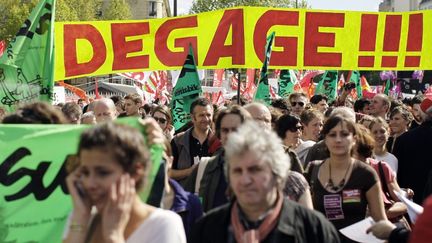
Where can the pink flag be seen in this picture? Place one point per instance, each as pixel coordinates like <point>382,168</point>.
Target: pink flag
<point>2,47</point>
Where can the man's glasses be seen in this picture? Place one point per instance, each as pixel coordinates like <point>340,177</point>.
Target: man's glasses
<point>295,129</point>
<point>297,103</point>
<point>160,120</point>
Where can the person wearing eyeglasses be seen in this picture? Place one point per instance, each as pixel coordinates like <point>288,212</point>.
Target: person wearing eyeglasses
<point>298,102</point>
<point>289,129</point>
<point>162,115</point>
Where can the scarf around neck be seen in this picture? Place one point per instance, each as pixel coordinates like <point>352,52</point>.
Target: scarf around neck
<point>259,234</point>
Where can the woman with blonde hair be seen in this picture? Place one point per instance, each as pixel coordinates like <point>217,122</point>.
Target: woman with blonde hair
<point>381,132</point>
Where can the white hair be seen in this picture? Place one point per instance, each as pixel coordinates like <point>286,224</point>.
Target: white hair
<point>263,143</point>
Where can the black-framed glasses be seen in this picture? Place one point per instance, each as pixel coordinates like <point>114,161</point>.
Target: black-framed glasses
<point>160,120</point>
<point>297,103</point>
<point>295,129</point>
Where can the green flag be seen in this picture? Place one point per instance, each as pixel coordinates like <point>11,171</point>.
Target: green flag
<point>328,84</point>
<point>34,202</point>
<point>186,90</point>
<point>387,87</point>
<point>287,80</point>
<point>263,90</point>
<point>355,78</point>
<point>26,68</point>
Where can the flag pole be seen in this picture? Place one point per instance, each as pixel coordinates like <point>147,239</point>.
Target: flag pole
<point>238,86</point>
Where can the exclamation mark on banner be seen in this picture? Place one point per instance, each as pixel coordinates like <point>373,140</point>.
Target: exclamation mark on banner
<point>415,39</point>
<point>392,36</point>
<point>368,39</point>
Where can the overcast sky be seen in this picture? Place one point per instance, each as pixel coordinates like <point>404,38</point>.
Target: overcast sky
<point>183,6</point>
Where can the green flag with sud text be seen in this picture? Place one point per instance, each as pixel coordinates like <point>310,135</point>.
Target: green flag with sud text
<point>186,90</point>
<point>34,200</point>
<point>328,85</point>
<point>263,90</point>
<point>26,68</point>
<point>287,80</point>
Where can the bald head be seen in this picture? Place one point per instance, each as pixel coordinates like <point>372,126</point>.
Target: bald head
<point>104,110</point>
<point>259,113</point>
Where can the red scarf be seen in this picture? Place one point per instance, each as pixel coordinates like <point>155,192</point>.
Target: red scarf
<point>255,235</point>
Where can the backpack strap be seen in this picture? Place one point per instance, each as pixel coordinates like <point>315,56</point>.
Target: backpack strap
<point>201,168</point>
<point>383,180</point>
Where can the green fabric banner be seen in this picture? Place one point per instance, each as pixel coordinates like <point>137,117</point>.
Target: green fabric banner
<point>328,85</point>
<point>26,68</point>
<point>355,78</point>
<point>186,90</point>
<point>287,80</point>
<point>263,90</point>
<point>387,87</point>
<point>34,203</point>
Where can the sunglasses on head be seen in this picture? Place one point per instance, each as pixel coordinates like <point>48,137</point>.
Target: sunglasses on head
<point>297,103</point>
<point>295,129</point>
<point>160,119</point>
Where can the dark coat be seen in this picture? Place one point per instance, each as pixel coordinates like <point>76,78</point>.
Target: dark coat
<point>187,205</point>
<point>213,173</point>
<point>413,151</point>
<point>296,224</point>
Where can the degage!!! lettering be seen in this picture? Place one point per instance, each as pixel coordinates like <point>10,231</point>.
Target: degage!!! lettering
<point>237,37</point>
<point>231,20</point>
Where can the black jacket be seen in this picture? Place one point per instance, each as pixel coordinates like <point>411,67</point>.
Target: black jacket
<point>296,224</point>
<point>412,149</point>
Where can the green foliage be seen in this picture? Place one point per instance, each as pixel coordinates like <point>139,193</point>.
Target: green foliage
<point>13,14</point>
<point>117,10</point>
<point>199,6</point>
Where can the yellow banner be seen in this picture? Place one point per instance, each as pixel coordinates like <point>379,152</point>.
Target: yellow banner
<point>235,38</point>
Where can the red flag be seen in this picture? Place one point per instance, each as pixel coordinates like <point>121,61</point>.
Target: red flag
<point>234,84</point>
<point>218,77</point>
<point>79,92</point>
<point>308,77</point>
<point>250,89</point>
<point>2,47</point>
<point>220,100</point>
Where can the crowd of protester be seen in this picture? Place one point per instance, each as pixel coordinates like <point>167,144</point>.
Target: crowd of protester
<point>297,170</point>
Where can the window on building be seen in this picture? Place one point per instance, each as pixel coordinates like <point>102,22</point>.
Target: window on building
<point>152,9</point>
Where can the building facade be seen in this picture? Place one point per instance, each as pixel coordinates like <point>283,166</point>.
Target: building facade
<point>399,5</point>
<point>425,4</point>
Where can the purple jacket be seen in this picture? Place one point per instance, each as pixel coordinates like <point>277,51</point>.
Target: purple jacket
<point>187,205</point>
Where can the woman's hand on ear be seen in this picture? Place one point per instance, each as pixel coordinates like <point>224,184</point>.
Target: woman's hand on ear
<point>116,213</point>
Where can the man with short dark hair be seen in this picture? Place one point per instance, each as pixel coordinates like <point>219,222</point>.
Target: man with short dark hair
<point>362,106</point>
<point>319,102</point>
<point>282,105</point>
<point>211,185</point>
<point>72,112</point>
<point>416,111</point>
<point>189,146</point>
<point>298,102</point>
<point>132,103</point>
